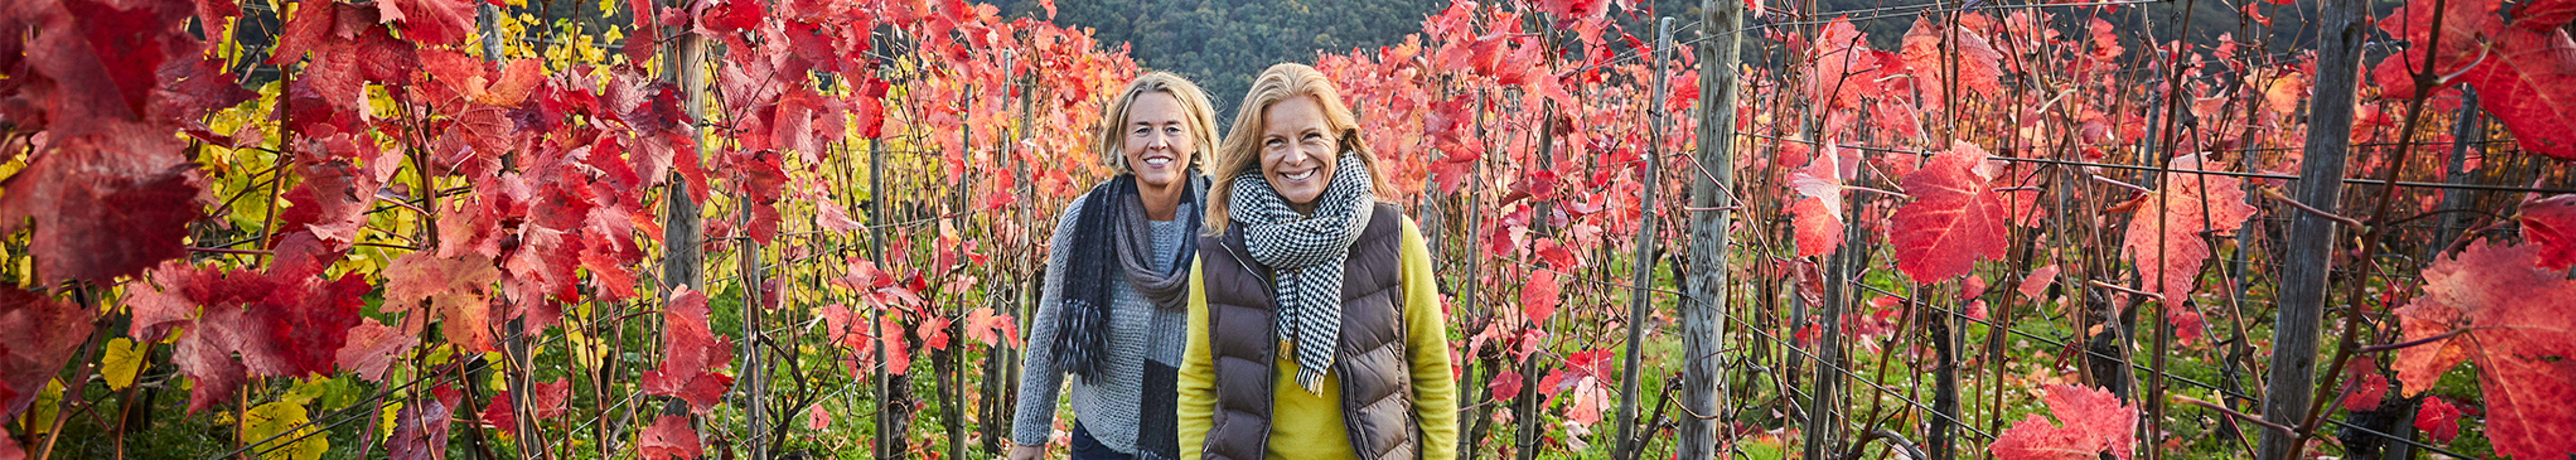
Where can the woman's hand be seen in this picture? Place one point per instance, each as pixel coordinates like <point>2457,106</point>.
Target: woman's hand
<point>1020,452</point>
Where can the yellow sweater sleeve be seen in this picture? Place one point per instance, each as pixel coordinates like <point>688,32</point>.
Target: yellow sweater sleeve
<point>1435,386</point>
<point>1197,383</point>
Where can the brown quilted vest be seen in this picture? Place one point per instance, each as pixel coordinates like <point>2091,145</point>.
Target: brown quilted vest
<point>1376,378</point>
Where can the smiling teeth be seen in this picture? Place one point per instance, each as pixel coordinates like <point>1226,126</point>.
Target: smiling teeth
<point>1300,176</point>
<point>1158,161</point>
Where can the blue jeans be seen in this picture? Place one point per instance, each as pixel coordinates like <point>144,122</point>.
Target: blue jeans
<point>1087,448</point>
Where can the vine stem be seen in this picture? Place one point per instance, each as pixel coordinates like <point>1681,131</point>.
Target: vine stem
<point>2221,408</point>
<point>2346,221</point>
<point>2416,342</point>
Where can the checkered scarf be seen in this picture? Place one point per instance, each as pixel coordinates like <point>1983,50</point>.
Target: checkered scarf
<point>1306,253</point>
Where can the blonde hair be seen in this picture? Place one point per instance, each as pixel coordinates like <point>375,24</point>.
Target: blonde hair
<point>1242,148</point>
<point>1201,114</point>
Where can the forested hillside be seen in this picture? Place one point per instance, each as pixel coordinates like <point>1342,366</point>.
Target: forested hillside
<point>1221,44</point>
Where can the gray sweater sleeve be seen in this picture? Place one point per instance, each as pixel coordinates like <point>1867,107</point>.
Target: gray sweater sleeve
<point>1041,378</point>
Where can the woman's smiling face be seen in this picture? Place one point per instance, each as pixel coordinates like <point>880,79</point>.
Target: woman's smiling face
<point>1158,146</point>
<point>1297,151</point>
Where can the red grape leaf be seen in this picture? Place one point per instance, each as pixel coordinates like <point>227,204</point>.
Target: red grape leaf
<point>2439,419</point>
<point>670,438</point>
<point>1819,227</point>
<point>2544,14</point>
<point>843,327</point>
<point>309,27</point>
<point>980,326</point>
<point>299,254</point>
<point>933,332</point>
<point>1505,384</point>
<point>2035,285</point>
<point>2164,236</point>
<point>420,428</point>
<point>1557,257</point>
<point>690,352</point>
<point>371,349</point>
<point>517,81</point>
<point>2466,26</point>
<point>1978,63</point>
<point>2511,319</point>
<point>177,290</point>
<point>829,216</point>
<point>1840,60</point>
<point>1539,297</point>
<point>280,326</point>
<point>2527,84</point>
<point>499,413</point>
<point>815,417</point>
<point>2363,385</point>
<point>103,62</point>
<point>332,199</point>
<point>430,22</point>
<point>1819,216</point>
<point>37,336</point>
<point>336,75</point>
<point>898,354</point>
<point>103,206</point>
<point>2551,224</point>
<point>302,325</point>
<point>1955,219</point>
<point>459,291</point>
<point>205,355</point>
<point>2094,420</point>
<point>1566,12</point>
<point>192,88</point>
<point>548,400</point>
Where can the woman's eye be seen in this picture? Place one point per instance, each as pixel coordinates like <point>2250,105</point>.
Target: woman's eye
<point>1275,142</point>
<point>1143,131</point>
<point>1175,130</point>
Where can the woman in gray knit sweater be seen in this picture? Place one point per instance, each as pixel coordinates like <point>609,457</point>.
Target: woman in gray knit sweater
<point>1112,312</point>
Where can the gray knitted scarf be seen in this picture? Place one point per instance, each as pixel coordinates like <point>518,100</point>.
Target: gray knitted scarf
<point>1307,253</point>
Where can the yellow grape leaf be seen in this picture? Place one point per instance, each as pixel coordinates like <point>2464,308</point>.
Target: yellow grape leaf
<point>124,361</point>
<point>584,349</point>
<point>39,417</point>
<point>441,355</point>
<point>281,430</point>
<point>391,412</point>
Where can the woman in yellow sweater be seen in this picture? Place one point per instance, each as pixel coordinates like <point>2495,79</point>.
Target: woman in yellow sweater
<point>1314,328</point>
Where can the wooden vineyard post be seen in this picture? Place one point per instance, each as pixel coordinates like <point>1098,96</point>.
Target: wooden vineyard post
<point>1639,304</point>
<point>1526,409</point>
<point>1713,176</point>
<point>1477,420</point>
<point>2310,243</point>
<point>514,333</point>
<point>877,377</point>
